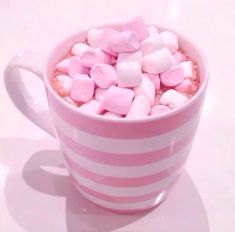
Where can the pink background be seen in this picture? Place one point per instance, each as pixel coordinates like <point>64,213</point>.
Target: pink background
<point>35,192</point>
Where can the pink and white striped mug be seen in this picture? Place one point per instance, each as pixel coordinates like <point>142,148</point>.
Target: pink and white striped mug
<point>120,164</point>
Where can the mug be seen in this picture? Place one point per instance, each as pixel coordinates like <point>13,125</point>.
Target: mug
<point>124,165</point>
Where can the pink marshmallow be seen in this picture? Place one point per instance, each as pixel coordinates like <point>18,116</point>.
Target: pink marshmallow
<point>179,57</point>
<point>186,86</point>
<point>82,88</point>
<point>63,66</point>
<point>94,37</point>
<point>130,56</point>
<point>99,94</point>
<point>154,78</point>
<point>153,31</point>
<point>140,107</point>
<point>170,40</point>
<point>129,74</point>
<point>105,41</point>
<point>112,115</point>
<point>91,107</point>
<point>117,100</point>
<point>172,77</point>
<point>79,48</point>
<point>125,41</point>
<point>76,67</point>
<point>92,57</point>
<point>104,75</point>
<point>62,84</point>
<point>159,109</point>
<point>147,89</point>
<point>187,67</point>
<point>158,61</point>
<point>172,99</point>
<point>151,44</point>
<point>138,26</point>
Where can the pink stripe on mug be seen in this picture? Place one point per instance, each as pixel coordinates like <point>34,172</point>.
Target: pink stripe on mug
<point>125,160</point>
<point>123,182</point>
<point>116,199</point>
<point>101,143</point>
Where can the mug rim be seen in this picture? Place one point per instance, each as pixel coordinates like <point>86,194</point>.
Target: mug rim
<point>149,118</point>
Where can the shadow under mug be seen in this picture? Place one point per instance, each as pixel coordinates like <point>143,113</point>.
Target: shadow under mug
<point>123,165</point>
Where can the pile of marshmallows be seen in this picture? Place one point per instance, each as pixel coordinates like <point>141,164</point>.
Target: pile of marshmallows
<point>131,73</point>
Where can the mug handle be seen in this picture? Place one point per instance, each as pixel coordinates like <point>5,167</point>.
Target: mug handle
<point>27,104</point>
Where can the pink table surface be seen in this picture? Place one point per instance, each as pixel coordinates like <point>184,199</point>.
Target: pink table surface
<point>35,191</point>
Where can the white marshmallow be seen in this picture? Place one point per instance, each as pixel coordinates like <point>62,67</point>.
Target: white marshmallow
<point>170,40</point>
<point>146,88</point>
<point>112,115</point>
<point>79,48</point>
<point>63,66</point>
<point>153,31</point>
<point>173,99</point>
<point>94,37</point>
<point>62,84</point>
<point>179,57</point>
<point>151,44</point>
<point>158,61</point>
<point>99,94</point>
<point>130,56</point>
<point>140,107</point>
<point>129,74</point>
<point>187,67</point>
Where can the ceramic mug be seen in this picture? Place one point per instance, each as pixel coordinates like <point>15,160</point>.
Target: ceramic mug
<point>124,165</point>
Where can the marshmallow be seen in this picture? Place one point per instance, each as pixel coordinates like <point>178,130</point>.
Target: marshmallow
<point>76,67</point>
<point>71,101</point>
<point>105,41</point>
<point>129,74</point>
<point>170,40</point>
<point>94,37</point>
<point>147,89</point>
<point>140,107</point>
<point>91,107</point>
<point>94,56</point>
<point>172,77</point>
<point>179,57</point>
<point>63,66</point>
<point>159,109</point>
<point>82,88</point>
<point>187,67</point>
<point>62,84</point>
<point>125,41</point>
<point>154,78</point>
<point>151,44</point>
<point>153,31</point>
<point>158,61</point>
<point>186,86</point>
<point>79,48</point>
<point>112,115</point>
<point>117,100</point>
<point>130,56</point>
<point>172,99</point>
<point>99,94</point>
<point>138,26</point>
<point>104,75</point>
